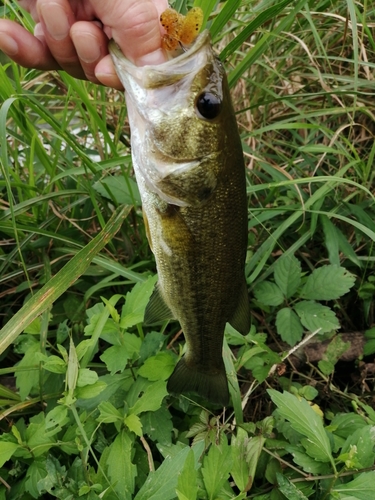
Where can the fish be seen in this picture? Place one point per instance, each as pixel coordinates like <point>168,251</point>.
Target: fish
<point>188,161</point>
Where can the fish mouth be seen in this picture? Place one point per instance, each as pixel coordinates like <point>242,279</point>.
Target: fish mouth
<point>169,72</point>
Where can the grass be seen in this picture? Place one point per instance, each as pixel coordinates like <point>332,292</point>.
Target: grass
<point>84,409</point>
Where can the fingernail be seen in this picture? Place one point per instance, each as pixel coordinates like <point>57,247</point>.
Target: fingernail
<point>86,46</point>
<point>8,45</point>
<point>156,57</point>
<point>39,32</point>
<point>55,19</point>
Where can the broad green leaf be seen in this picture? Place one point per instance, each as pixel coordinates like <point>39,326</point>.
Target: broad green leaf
<point>116,357</point>
<point>289,489</point>
<point>314,316</point>
<point>364,441</point>
<point>288,274</point>
<point>216,467</point>
<point>161,484</point>
<point>123,189</point>
<point>26,379</point>
<point>307,463</point>
<point>36,472</point>
<point>39,440</point>
<point>327,283</point>
<point>151,399</point>
<point>158,425</point>
<point>240,468</point>
<point>268,294</point>
<point>121,470</point>
<point>187,485</point>
<point>57,418</point>
<point>108,413</point>
<point>306,421</point>
<point>90,391</point>
<point>289,326</point>
<point>134,424</point>
<point>54,364</point>
<point>158,367</point>
<point>346,424</point>
<point>6,451</point>
<point>254,449</point>
<point>86,377</point>
<point>361,488</point>
<point>136,302</point>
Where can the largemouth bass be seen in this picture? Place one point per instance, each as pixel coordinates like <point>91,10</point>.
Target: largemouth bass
<point>189,166</point>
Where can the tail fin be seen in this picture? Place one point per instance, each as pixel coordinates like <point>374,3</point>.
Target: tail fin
<point>211,386</point>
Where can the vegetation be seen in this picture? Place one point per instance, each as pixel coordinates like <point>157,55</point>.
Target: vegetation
<point>84,408</point>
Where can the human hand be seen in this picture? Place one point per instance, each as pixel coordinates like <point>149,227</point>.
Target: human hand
<point>72,35</point>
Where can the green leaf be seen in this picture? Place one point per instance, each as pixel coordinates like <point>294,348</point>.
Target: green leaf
<point>327,283</point>
<point>116,357</point>
<point>134,424</point>
<point>6,451</point>
<point>289,489</point>
<point>361,488</point>
<point>240,468</point>
<point>136,301</point>
<point>86,377</point>
<point>121,470</point>
<point>90,391</point>
<point>254,449</point>
<point>35,473</point>
<point>158,367</point>
<point>216,467</point>
<point>54,364</point>
<point>124,189</point>
<point>364,441</point>
<point>161,484</point>
<point>288,275</point>
<point>288,326</point>
<point>108,413</point>
<point>268,294</point>
<point>187,485</point>
<point>314,316</point>
<point>158,425</point>
<point>307,463</point>
<point>26,379</point>
<point>151,399</point>
<point>306,421</point>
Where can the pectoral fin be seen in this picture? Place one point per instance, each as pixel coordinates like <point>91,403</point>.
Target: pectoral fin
<point>241,317</point>
<point>157,310</point>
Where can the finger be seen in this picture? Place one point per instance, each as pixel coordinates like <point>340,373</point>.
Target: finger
<point>135,27</point>
<point>24,48</point>
<point>106,74</point>
<point>90,43</point>
<point>56,18</point>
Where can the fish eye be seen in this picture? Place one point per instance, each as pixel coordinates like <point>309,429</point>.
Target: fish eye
<point>208,105</point>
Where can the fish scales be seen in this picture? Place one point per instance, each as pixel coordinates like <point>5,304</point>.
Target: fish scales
<point>188,161</point>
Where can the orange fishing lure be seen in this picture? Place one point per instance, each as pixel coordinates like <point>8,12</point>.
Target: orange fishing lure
<point>180,29</point>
